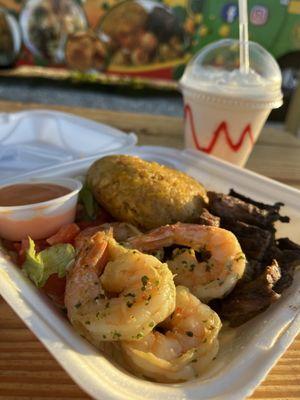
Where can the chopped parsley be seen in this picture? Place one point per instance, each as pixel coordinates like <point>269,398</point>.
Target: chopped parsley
<point>144,280</point>
<point>116,335</point>
<point>192,267</point>
<point>129,295</point>
<point>239,256</point>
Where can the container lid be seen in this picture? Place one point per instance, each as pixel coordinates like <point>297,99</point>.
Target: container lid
<point>31,140</point>
<point>215,71</point>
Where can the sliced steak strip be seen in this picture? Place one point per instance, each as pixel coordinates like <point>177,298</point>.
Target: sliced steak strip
<point>251,298</point>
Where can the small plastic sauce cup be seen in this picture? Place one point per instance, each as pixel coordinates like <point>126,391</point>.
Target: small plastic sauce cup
<point>40,220</point>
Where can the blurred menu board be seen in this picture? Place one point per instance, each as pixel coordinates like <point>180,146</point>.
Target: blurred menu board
<point>131,40</point>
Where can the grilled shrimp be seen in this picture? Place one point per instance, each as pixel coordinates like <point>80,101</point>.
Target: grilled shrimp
<point>210,264</point>
<point>113,293</point>
<point>187,347</point>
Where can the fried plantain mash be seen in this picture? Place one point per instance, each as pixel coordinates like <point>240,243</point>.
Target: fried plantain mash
<point>145,194</point>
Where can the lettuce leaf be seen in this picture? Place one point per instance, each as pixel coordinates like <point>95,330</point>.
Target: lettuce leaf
<point>56,259</point>
<point>89,203</point>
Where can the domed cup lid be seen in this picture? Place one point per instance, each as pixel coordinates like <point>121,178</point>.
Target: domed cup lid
<point>215,70</point>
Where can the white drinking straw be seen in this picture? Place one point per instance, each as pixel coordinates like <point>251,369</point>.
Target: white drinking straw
<point>244,37</point>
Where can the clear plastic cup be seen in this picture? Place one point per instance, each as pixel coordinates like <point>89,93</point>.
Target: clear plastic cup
<point>40,220</point>
<point>225,109</point>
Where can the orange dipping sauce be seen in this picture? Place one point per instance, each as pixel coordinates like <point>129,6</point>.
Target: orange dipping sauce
<point>37,209</point>
<point>30,193</point>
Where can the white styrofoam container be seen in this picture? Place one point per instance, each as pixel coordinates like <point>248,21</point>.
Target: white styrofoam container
<point>244,360</point>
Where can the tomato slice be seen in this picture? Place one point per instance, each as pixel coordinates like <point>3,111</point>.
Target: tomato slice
<point>55,288</point>
<point>66,234</point>
<point>22,248</point>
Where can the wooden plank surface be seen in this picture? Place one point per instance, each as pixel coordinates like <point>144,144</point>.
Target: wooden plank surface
<point>28,371</point>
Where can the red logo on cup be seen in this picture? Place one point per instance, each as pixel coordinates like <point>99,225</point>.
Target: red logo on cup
<point>259,15</point>
<point>222,129</point>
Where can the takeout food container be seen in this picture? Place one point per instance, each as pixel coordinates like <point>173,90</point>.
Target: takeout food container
<point>245,358</point>
<point>40,220</point>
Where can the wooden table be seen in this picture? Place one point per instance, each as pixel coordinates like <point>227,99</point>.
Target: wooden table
<point>28,371</point>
